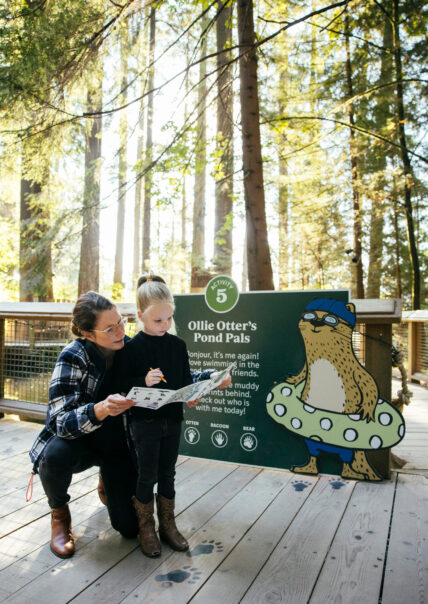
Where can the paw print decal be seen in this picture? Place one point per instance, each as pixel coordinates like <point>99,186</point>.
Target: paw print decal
<point>219,438</point>
<point>191,435</point>
<point>248,441</point>
<point>300,485</point>
<point>336,484</point>
<point>206,547</point>
<point>187,573</point>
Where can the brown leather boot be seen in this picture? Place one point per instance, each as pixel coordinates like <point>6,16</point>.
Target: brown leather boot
<point>62,540</point>
<point>100,489</point>
<point>149,541</point>
<point>168,530</point>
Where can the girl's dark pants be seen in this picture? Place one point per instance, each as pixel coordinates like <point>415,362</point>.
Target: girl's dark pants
<point>156,443</point>
<point>64,457</point>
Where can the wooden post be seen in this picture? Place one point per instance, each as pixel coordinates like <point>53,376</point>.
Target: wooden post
<point>378,363</point>
<point>2,359</point>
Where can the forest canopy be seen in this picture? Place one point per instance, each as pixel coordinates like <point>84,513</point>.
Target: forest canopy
<point>283,143</point>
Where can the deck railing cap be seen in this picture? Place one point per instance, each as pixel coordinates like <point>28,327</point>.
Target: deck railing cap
<point>415,315</point>
<point>377,310</point>
<point>50,310</point>
<point>368,310</point>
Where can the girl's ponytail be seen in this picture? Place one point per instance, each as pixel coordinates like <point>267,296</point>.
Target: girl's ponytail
<point>152,289</point>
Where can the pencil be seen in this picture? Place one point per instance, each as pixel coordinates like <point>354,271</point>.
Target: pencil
<point>163,379</point>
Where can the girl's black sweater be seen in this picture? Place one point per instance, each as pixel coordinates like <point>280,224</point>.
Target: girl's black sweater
<point>168,353</point>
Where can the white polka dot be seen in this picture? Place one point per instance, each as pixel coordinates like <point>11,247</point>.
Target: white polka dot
<point>326,423</point>
<point>401,430</point>
<point>375,442</point>
<point>385,419</point>
<point>280,410</point>
<point>350,435</point>
<point>286,391</point>
<point>355,416</point>
<point>296,423</point>
<point>309,409</point>
<point>380,401</point>
<point>269,397</point>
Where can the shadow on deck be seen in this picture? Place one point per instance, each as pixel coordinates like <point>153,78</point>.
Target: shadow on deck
<point>255,535</point>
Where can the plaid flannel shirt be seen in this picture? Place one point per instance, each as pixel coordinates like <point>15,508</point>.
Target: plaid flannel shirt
<point>75,380</point>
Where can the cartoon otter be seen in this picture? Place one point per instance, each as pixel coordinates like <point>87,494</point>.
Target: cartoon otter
<point>333,402</point>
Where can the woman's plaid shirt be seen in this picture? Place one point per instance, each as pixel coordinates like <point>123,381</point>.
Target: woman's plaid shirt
<point>76,378</point>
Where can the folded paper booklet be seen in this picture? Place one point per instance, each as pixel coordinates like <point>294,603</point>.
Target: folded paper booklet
<point>155,398</point>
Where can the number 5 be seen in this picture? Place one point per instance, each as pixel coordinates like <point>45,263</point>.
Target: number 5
<point>221,296</point>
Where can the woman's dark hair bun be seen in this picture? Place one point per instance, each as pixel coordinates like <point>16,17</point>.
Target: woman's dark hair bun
<point>85,312</point>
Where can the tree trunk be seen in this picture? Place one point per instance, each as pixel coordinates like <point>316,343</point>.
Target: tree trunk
<point>357,261</point>
<point>284,240</point>
<point>149,146</point>
<point>198,239</point>
<point>89,270</point>
<point>224,179</point>
<point>382,114</point>
<point>395,215</point>
<point>138,197</point>
<point>259,264</point>
<point>407,167</point>
<point>122,156</point>
<point>35,258</point>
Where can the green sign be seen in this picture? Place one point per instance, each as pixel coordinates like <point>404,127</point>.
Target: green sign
<point>260,332</point>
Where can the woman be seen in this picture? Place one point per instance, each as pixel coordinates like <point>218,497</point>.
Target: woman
<point>85,422</point>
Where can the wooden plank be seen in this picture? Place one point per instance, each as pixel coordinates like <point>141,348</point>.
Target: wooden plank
<point>31,536</point>
<point>30,580</point>
<point>13,488</point>
<point>293,568</point>
<point>406,572</point>
<point>7,424</point>
<point>234,576</point>
<point>41,560</point>
<point>180,577</point>
<point>25,409</point>
<point>122,578</point>
<point>353,568</point>
<point>33,510</point>
<point>15,442</point>
<point>93,561</point>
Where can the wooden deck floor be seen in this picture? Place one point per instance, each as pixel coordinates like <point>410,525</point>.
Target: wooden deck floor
<point>255,535</point>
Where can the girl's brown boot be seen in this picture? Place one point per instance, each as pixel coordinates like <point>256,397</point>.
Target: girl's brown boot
<point>168,530</point>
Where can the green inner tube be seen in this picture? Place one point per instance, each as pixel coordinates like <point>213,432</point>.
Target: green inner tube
<point>285,407</point>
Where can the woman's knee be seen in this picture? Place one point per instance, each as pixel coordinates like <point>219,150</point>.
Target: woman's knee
<point>125,524</point>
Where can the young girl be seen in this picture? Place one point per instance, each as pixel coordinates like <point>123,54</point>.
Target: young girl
<point>156,358</point>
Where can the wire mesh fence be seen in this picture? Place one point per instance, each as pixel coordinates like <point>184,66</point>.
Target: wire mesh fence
<point>29,354</point>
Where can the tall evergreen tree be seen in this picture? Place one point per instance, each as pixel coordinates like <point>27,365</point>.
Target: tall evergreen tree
<point>260,274</point>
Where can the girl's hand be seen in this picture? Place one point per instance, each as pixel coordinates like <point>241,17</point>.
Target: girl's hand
<point>153,377</point>
<point>194,402</point>
<point>115,404</point>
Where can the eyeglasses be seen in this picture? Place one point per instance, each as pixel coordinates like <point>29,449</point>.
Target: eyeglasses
<point>121,324</point>
<point>327,319</point>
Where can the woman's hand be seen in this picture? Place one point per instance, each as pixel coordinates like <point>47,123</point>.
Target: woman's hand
<point>113,405</point>
<point>194,402</point>
<point>153,377</point>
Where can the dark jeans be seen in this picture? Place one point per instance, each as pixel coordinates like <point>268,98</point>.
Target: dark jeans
<point>64,457</point>
<point>156,443</point>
